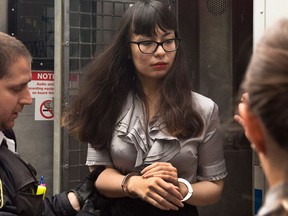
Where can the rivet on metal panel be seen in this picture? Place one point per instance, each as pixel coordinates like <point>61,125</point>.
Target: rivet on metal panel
<point>66,166</point>
<point>261,11</point>
<point>66,43</point>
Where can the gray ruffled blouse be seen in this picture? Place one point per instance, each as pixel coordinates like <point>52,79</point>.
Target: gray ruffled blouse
<point>196,159</point>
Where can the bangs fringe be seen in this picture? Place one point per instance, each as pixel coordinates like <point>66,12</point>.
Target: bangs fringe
<point>145,20</point>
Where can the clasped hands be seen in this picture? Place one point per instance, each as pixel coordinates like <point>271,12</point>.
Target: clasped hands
<point>158,185</point>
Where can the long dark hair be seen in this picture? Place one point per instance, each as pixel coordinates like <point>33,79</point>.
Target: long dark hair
<point>111,76</point>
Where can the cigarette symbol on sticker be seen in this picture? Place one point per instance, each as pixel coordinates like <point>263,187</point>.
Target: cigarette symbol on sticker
<point>46,109</point>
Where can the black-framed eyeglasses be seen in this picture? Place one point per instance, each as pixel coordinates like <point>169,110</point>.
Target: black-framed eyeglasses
<point>149,46</point>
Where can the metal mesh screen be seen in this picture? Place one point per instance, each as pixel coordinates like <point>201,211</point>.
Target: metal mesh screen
<point>32,22</point>
<point>217,7</point>
<point>91,26</point>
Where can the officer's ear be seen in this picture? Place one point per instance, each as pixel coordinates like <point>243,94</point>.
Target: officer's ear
<point>253,128</point>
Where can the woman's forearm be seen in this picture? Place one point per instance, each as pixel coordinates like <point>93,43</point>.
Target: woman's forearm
<point>206,193</point>
<point>109,183</point>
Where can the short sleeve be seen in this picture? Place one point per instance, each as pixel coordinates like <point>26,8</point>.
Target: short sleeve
<point>211,162</point>
<point>98,157</point>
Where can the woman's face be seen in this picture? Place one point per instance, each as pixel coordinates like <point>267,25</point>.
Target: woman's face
<point>154,66</point>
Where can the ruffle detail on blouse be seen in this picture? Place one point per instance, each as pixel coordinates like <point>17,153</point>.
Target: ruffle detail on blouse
<point>131,129</point>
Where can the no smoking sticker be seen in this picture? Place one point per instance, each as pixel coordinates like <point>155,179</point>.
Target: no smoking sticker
<point>46,110</point>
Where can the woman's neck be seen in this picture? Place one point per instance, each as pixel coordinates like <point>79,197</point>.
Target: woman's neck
<point>153,98</point>
<point>151,86</point>
<point>151,89</point>
<point>275,168</point>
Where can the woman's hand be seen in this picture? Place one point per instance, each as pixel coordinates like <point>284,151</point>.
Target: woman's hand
<point>163,170</point>
<point>156,191</point>
<point>237,117</point>
<point>167,172</point>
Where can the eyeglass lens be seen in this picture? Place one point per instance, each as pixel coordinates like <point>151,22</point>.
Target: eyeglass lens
<point>151,46</point>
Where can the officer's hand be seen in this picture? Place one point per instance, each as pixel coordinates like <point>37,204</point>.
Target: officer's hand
<point>87,186</point>
<point>90,207</point>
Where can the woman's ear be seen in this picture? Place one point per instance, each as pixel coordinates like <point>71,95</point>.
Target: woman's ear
<point>253,128</point>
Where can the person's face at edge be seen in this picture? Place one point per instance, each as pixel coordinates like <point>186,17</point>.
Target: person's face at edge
<point>14,92</point>
<point>156,65</point>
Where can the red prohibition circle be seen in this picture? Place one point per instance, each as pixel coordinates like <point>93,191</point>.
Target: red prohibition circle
<point>46,112</point>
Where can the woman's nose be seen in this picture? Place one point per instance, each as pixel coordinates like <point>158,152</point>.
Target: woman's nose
<point>160,50</point>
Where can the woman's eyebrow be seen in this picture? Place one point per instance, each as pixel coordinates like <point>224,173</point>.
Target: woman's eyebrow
<point>167,33</point>
<point>152,36</point>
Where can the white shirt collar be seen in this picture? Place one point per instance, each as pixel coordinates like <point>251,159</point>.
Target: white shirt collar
<point>10,142</point>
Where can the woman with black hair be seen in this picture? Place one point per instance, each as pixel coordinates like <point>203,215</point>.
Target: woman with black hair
<point>160,141</point>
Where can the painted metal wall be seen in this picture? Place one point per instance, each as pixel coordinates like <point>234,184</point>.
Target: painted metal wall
<point>222,38</point>
<point>3,15</point>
